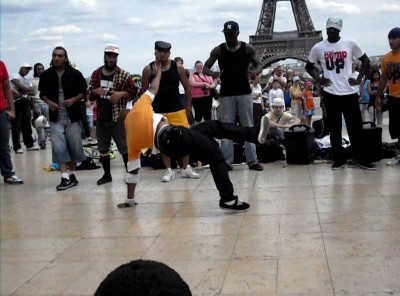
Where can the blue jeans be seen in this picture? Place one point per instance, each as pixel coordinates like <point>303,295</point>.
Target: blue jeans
<point>243,106</point>
<point>5,155</point>
<point>44,110</point>
<point>66,143</point>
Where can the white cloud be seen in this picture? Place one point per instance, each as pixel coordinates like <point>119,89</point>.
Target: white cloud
<point>135,21</point>
<point>334,6</point>
<point>109,37</point>
<point>86,4</point>
<point>10,48</point>
<point>390,7</point>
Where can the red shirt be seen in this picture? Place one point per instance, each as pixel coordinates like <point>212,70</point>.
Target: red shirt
<point>3,77</point>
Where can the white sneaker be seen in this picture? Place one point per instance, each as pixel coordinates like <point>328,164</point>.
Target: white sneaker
<point>19,151</point>
<point>394,161</point>
<point>168,175</point>
<point>189,173</point>
<point>264,128</point>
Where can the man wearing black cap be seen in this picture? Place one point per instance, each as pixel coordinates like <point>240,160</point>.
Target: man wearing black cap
<point>23,92</point>
<point>112,87</point>
<point>235,94</point>
<point>390,67</point>
<point>335,56</point>
<point>168,102</point>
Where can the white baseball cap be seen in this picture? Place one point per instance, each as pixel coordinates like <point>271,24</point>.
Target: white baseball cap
<point>111,48</point>
<point>334,22</point>
<point>278,102</point>
<point>26,65</point>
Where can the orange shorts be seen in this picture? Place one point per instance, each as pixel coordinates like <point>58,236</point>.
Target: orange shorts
<point>177,118</point>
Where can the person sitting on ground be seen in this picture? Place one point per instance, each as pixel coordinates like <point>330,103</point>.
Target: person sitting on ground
<point>143,278</point>
<point>145,129</point>
<point>279,120</point>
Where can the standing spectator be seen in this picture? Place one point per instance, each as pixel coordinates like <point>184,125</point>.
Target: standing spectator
<point>201,93</point>
<point>111,87</point>
<point>277,74</point>
<point>390,67</point>
<point>41,107</point>
<point>296,98</point>
<point>167,101</point>
<point>7,113</point>
<point>89,118</point>
<point>308,101</point>
<point>233,58</point>
<point>275,92</point>
<point>335,56</point>
<point>286,96</point>
<point>364,98</point>
<point>62,88</point>
<point>375,115</point>
<point>23,92</point>
<point>258,102</point>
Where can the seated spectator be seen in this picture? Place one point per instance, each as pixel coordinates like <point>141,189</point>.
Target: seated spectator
<point>279,120</point>
<point>143,278</point>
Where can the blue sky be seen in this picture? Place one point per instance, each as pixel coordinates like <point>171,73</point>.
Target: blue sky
<point>30,29</point>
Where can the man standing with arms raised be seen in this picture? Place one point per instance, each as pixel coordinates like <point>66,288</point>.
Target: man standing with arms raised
<point>112,87</point>
<point>235,95</point>
<point>168,102</point>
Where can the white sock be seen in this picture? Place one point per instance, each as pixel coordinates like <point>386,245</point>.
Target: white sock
<point>65,175</point>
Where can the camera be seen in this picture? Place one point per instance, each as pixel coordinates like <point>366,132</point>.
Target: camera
<point>205,90</point>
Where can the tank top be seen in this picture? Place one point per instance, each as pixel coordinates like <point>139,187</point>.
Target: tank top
<point>167,99</point>
<point>234,67</point>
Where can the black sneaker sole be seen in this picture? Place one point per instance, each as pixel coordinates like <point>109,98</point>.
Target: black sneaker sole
<point>66,187</point>
<point>232,210</point>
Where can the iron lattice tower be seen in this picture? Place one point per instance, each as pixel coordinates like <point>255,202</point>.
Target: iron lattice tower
<point>275,46</point>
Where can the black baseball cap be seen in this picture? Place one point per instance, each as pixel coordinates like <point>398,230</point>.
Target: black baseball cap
<point>162,46</point>
<point>231,26</point>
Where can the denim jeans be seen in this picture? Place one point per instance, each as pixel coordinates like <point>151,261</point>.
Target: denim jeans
<point>66,141</point>
<point>243,106</point>
<point>5,155</point>
<point>44,110</point>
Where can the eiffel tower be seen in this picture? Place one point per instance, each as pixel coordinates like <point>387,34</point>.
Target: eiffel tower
<point>276,46</point>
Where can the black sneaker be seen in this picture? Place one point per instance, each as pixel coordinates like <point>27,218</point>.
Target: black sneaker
<point>237,206</point>
<point>337,165</point>
<point>14,180</point>
<point>256,167</point>
<point>229,167</point>
<point>105,179</point>
<point>73,179</point>
<point>367,166</point>
<point>65,184</point>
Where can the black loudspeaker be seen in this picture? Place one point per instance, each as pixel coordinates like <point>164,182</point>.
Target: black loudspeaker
<point>299,142</point>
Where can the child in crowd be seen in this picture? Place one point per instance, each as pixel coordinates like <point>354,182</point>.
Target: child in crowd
<point>308,102</point>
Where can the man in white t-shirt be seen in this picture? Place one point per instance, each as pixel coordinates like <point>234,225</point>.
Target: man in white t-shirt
<point>335,56</point>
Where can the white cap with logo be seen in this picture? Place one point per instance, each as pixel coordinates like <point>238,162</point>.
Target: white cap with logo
<point>111,48</point>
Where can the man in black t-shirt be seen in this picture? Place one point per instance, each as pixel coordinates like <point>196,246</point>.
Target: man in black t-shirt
<point>235,95</point>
